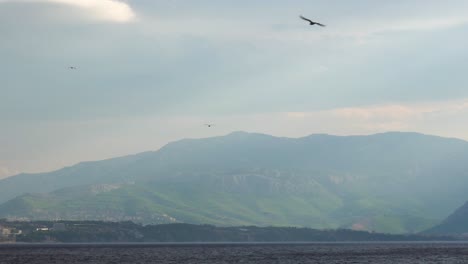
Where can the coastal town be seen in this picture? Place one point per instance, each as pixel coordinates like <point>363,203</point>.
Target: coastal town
<point>10,231</point>
<point>8,234</point>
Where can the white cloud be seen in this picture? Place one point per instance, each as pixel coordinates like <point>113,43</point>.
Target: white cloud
<point>417,117</point>
<point>293,30</point>
<point>108,10</point>
<point>430,24</point>
<point>421,24</point>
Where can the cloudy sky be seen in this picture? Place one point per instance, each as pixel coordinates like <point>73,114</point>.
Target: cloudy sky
<point>154,71</point>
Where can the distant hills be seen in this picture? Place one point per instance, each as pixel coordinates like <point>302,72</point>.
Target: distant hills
<point>391,182</point>
<point>455,224</point>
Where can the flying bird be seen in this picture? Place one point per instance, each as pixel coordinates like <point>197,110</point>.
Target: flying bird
<point>209,125</point>
<point>72,68</point>
<point>312,23</point>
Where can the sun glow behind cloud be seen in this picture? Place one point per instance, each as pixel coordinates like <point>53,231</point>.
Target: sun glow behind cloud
<point>106,10</point>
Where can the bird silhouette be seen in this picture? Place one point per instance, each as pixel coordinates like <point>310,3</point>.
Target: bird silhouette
<point>312,23</point>
<point>209,125</point>
<point>72,68</point>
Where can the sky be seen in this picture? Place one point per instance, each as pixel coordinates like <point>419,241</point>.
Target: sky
<point>154,71</point>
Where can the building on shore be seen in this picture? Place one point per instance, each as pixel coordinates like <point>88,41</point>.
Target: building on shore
<point>8,235</point>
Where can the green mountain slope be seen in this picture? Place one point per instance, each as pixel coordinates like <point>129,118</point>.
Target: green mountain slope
<point>391,182</point>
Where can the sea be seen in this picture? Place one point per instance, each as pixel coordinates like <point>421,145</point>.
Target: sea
<point>267,253</point>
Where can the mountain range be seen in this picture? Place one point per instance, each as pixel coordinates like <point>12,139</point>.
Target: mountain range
<point>391,182</point>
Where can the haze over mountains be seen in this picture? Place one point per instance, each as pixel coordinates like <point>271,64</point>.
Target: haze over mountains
<point>455,224</point>
<point>391,182</point>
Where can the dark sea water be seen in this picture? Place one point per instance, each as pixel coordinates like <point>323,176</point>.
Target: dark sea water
<point>236,253</point>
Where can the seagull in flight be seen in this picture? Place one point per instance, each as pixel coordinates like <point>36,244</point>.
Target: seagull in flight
<point>73,68</point>
<point>312,23</point>
<point>209,125</point>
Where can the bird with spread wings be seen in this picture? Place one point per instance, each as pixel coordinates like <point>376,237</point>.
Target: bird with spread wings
<point>312,23</point>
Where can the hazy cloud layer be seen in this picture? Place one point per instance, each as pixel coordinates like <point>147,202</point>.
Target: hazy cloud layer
<point>166,67</point>
<point>5,172</point>
<point>54,141</point>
